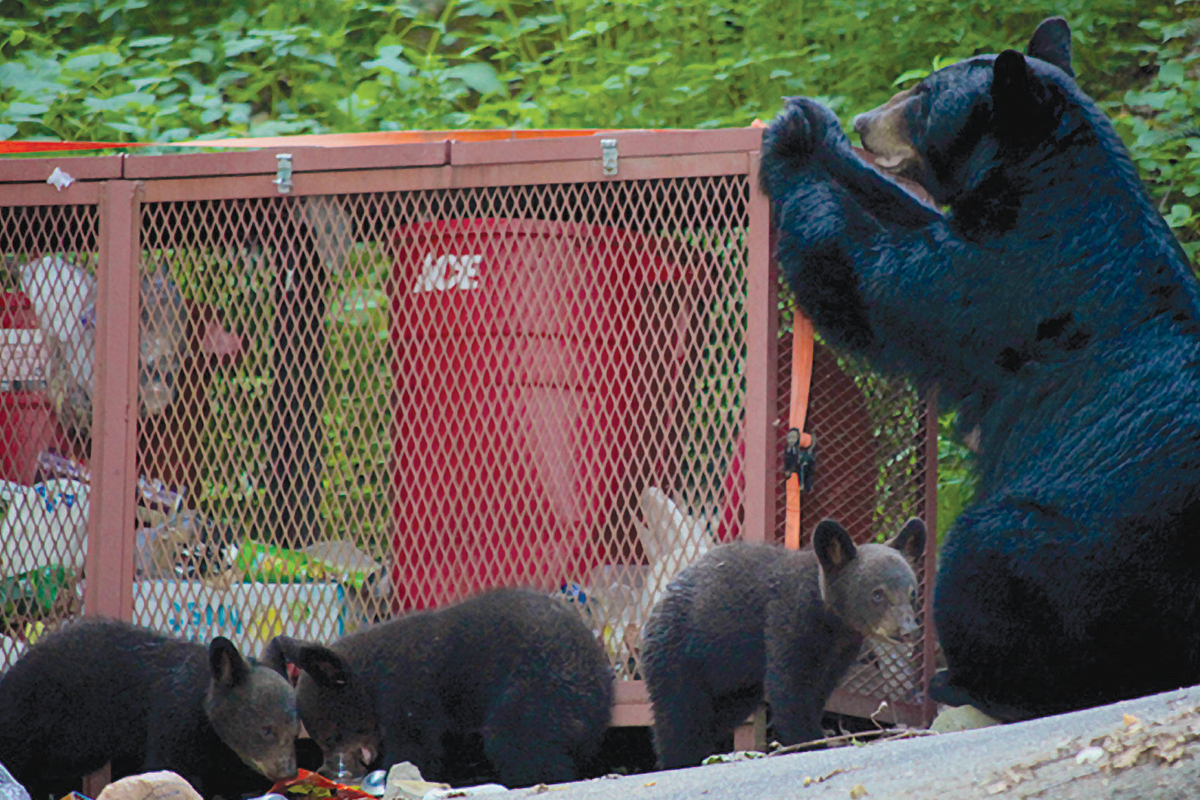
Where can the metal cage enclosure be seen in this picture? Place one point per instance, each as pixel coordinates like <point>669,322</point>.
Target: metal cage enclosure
<point>302,390</point>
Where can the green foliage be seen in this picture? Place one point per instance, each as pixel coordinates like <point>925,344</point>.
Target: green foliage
<point>131,70</point>
<point>956,481</point>
<point>164,71</point>
<point>170,71</point>
<point>1161,123</point>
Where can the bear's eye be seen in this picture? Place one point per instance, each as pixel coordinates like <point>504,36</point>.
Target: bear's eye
<point>268,732</point>
<point>877,596</point>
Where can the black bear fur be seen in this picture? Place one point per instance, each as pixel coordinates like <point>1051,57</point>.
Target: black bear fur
<point>1054,309</point>
<point>752,621</point>
<point>101,691</point>
<point>518,668</point>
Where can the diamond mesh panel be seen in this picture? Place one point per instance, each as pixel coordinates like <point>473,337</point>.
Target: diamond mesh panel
<point>871,475</point>
<point>377,402</point>
<point>47,293</point>
<point>350,406</point>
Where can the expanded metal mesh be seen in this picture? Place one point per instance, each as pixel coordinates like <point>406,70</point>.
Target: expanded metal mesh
<point>47,296</point>
<point>354,405</point>
<point>870,474</point>
<point>391,401</point>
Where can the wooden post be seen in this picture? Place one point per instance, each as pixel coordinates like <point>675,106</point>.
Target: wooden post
<point>762,344</point>
<point>112,499</point>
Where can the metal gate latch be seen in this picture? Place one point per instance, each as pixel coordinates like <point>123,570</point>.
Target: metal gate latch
<point>608,147</point>
<point>799,460</point>
<point>283,173</point>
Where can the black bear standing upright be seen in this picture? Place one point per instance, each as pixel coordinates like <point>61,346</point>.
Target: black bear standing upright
<point>1055,309</point>
<point>101,691</point>
<point>517,667</point>
<point>748,621</point>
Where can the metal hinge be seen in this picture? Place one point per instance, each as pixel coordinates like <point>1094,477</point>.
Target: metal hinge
<point>283,173</point>
<point>608,147</point>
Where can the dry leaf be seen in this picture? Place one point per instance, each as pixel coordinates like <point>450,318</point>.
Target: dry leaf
<point>1128,758</point>
<point>858,791</point>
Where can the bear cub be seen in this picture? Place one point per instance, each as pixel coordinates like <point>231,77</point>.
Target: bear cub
<point>748,621</point>
<point>102,691</point>
<point>516,669</point>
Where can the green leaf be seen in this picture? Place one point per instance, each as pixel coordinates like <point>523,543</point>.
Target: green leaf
<point>911,75</point>
<point>1171,73</point>
<point>152,41</point>
<point>7,131</point>
<point>390,60</point>
<point>637,71</point>
<point>26,110</point>
<point>475,9</point>
<point>1180,215</point>
<point>121,101</point>
<point>69,8</point>
<point>91,62</point>
<point>480,77</point>
<point>237,47</point>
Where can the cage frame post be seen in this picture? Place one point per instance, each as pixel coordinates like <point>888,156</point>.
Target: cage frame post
<point>112,509</point>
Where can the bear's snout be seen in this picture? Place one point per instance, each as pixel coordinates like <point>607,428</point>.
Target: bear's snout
<point>884,132</point>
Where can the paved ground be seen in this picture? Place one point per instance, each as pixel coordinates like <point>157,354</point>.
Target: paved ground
<point>1147,749</point>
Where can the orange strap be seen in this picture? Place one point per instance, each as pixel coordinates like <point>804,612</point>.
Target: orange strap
<point>802,362</point>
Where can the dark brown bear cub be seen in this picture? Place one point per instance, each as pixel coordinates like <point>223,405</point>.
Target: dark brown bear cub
<point>750,621</point>
<point>102,691</point>
<point>518,670</point>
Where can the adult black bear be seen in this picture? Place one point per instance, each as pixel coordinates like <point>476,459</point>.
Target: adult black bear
<point>101,691</point>
<point>1053,306</point>
<point>748,621</point>
<point>517,667</point>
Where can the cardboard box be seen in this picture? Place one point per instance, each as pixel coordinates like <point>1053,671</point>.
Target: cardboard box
<point>248,614</point>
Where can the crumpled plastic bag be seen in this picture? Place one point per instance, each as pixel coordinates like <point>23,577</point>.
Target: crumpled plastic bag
<point>313,786</point>
<point>188,546</point>
<point>9,788</point>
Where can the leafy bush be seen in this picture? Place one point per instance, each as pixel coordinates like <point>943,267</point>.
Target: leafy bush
<point>171,71</point>
<point>1161,123</point>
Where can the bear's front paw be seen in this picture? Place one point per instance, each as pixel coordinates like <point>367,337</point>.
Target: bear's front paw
<point>803,129</point>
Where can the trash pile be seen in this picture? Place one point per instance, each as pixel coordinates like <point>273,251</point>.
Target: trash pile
<point>402,782</point>
<point>64,296</point>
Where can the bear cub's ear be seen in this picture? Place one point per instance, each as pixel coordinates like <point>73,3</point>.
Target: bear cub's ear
<point>228,667</point>
<point>1051,42</point>
<point>910,541</point>
<point>326,667</point>
<point>835,549</point>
